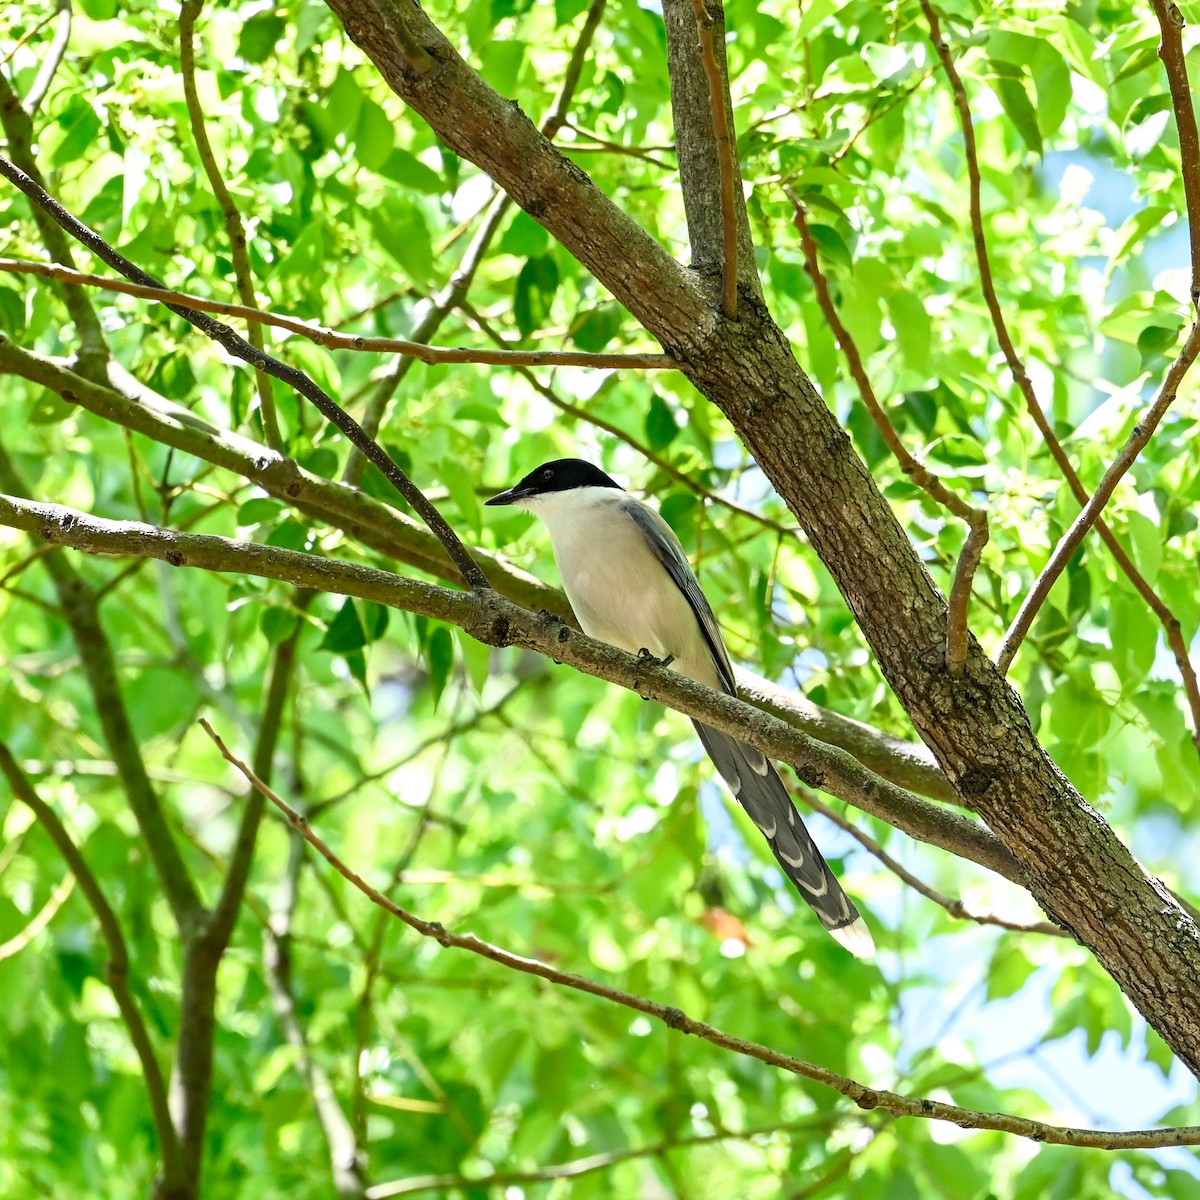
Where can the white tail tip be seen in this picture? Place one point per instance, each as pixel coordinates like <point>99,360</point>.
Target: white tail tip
<point>856,938</point>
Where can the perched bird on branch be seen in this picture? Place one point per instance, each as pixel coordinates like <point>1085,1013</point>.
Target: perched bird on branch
<point>630,585</point>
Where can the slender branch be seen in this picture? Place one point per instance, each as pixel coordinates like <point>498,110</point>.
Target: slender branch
<point>582,1166</point>
<point>53,59</point>
<point>1142,433</point>
<point>725,152</point>
<point>40,919</point>
<point>491,619</point>
<point>865,1097</point>
<point>239,348</point>
<point>664,464</point>
<point>1170,50</point>
<point>117,971</point>
<point>234,228</point>
<point>976,518</point>
<point>18,129</point>
<point>955,907</point>
<point>27,36</point>
<point>1016,366</point>
<point>80,609</point>
<point>442,304</point>
<point>331,339</point>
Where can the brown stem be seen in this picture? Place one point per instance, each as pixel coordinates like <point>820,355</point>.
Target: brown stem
<point>1142,433</point>
<point>1172,57</point>
<point>725,152</point>
<point>865,1097</point>
<point>975,518</point>
<point>234,228</point>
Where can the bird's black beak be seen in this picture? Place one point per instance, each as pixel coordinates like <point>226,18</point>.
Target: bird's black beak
<point>511,496</point>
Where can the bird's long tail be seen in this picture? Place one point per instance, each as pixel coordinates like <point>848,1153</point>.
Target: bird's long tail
<point>760,791</point>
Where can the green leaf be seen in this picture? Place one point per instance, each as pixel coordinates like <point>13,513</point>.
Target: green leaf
<point>374,137</point>
<point>1014,98</point>
<point>345,632</point>
<point>278,623</point>
<point>258,35</point>
<point>439,655</point>
<point>534,294</point>
<point>661,426</point>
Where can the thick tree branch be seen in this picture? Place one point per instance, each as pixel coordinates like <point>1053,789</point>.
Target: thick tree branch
<point>117,971</point>
<point>234,228</point>
<point>726,150</point>
<point>976,520</point>
<point>907,764</point>
<point>1077,868</point>
<point>865,1097</point>
<point>491,619</point>
<point>239,348</point>
<point>706,144</point>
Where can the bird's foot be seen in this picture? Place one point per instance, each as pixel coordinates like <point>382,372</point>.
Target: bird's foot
<point>649,658</point>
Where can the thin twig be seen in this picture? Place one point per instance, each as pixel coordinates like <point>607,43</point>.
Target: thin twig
<point>663,464</point>
<point>865,1097</point>
<point>1016,366</point>
<point>333,340</point>
<point>1142,433</point>
<point>234,228</point>
<point>725,150</point>
<point>117,971</point>
<point>40,920</point>
<point>443,303</point>
<point>955,907</point>
<point>29,34</point>
<point>53,59</point>
<point>583,1166</point>
<point>1170,50</point>
<point>240,348</point>
<point>921,476</point>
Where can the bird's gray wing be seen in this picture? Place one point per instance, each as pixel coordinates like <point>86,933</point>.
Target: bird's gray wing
<point>664,545</point>
<point>758,788</point>
<point>750,775</point>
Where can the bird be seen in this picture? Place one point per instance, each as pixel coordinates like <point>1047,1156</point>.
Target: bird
<point>630,585</point>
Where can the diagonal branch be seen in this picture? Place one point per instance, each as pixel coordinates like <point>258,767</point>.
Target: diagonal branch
<point>234,228</point>
<point>1142,433</point>
<point>239,348</point>
<point>491,619</point>
<point>956,908</point>
<point>1170,50</point>
<point>117,971</point>
<point>53,59</point>
<point>865,1097</point>
<point>975,518</point>
<point>1172,56</point>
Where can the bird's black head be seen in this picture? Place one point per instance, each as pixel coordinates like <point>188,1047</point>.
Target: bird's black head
<point>561,475</point>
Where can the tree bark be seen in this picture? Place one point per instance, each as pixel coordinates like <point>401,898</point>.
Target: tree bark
<point>1075,865</point>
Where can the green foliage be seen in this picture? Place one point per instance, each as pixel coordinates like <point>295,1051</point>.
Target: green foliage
<point>536,808</point>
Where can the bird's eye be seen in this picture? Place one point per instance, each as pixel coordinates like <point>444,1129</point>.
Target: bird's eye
<point>547,475</point>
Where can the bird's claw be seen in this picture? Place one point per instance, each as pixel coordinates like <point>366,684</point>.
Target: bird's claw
<point>649,658</point>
